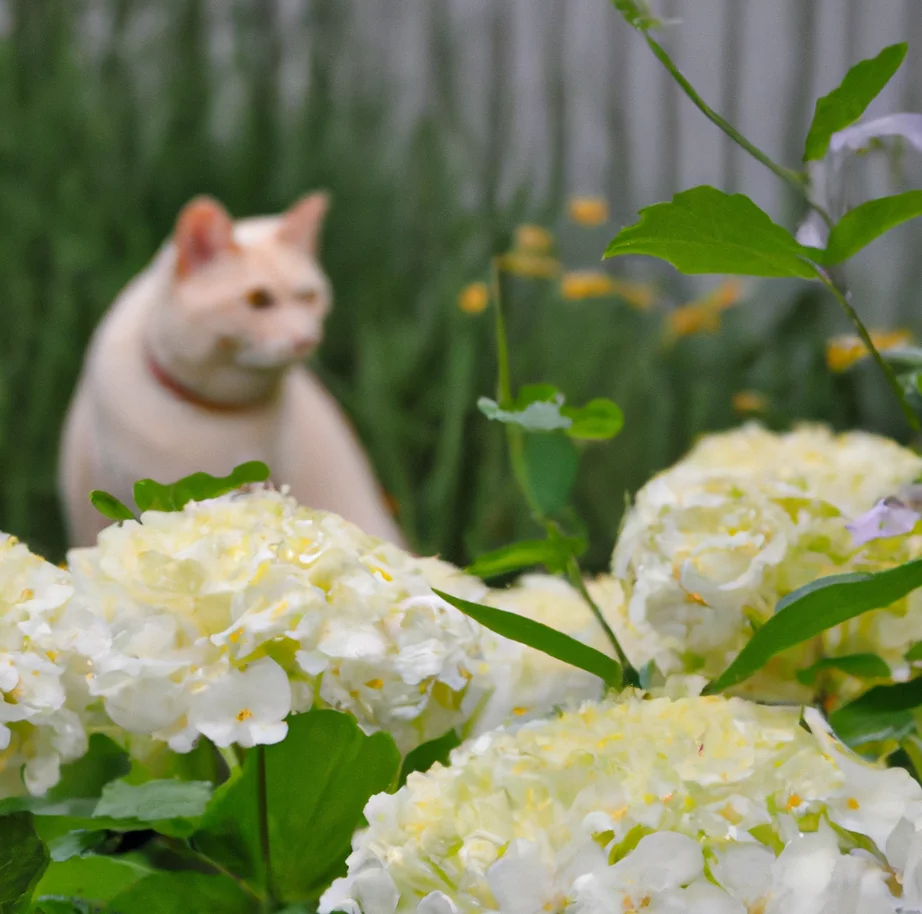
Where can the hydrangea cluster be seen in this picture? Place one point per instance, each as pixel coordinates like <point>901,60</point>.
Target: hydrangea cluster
<point>851,471</point>
<point>42,698</point>
<point>713,543</point>
<point>226,616</point>
<point>693,806</point>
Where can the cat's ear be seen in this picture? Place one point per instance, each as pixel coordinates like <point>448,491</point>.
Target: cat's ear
<point>300,225</point>
<point>204,230</point>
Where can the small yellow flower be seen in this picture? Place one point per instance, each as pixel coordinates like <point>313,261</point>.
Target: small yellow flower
<point>533,238</point>
<point>746,402</point>
<point>588,211</point>
<point>844,351</point>
<point>474,298</point>
<point>692,319</point>
<point>724,296</point>
<point>639,295</point>
<point>530,265</point>
<point>586,284</point>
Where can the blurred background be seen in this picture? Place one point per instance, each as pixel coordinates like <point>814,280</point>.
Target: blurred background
<point>447,131</point>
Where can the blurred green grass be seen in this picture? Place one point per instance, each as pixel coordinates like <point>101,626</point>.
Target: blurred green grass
<point>93,170</point>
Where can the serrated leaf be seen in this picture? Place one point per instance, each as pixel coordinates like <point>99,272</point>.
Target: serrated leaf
<point>318,780</point>
<point>109,506</point>
<point>552,553</point>
<point>882,713</point>
<point>538,416</point>
<point>704,230</point>
<point>155,496</point>
<point>861,225</point>
<point>169,806</point>
<point>423,757</point>
<point>862,666</point>
<point>846,103</point>
<point>23,859</point>
<point>182,893</point>
<point>809,611</point>
<point>552,463</point>
<point>542,638</point>
<point>599,420</point>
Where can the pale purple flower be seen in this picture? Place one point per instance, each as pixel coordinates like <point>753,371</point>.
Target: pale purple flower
<point>889,517</point>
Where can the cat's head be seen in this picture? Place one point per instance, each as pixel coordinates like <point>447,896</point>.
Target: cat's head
<point>254,292</point>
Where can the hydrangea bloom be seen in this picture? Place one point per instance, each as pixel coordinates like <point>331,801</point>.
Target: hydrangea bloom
<point>227,615</point>
<point>851,471</point>
<point>713,543</point>
<point>701,806</point>
<point>41,693</point>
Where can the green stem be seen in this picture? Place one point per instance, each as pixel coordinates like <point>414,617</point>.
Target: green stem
<point>269,904</point>
<point>885,367</point>
<point>503,387</point>
<point>795,179</point>
<point>629,675</point>
<point>504,391</point>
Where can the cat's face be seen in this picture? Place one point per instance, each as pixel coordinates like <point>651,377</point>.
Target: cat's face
<point>253,293</point>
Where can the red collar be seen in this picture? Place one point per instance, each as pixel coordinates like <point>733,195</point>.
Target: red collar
<point>181,392</point>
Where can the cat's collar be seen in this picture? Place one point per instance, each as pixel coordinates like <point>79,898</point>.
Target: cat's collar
<point>182,392</point>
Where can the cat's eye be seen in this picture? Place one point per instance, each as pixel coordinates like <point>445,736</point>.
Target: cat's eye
<point>260,298</point>
<point>308,296</point>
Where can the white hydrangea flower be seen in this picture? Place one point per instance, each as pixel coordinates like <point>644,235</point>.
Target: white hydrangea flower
<point>852,470</point>
<point>713,543</point>
<point>41,691</point>
<point>694,806</point>
<point>226,615</point>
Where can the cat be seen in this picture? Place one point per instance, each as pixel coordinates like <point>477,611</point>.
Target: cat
<point>198,366</point>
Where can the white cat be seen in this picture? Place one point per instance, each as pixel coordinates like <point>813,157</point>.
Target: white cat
<point>197,367</point>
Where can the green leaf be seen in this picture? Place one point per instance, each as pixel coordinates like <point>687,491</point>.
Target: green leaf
<point>637,14</point>
<point>542,638</point>
<point>862,666</point>
<point>154,801</point>
<point>882,713</point>
<point>97,879</point>
<point>318,781</point>
<point>76,844</point>
<point>23,859</point>
<point>845,104</point>
<point>103,762</point>
<point>598,420</point>
<point>423,757</point>
<point>50,904</point>
<point>552,553</point>
<point>154,496</point>
<point>704,230</point>
<point>537,416</point>
<point>861,225</point>
<point>824,603</point>
<point>182,893</point>
<point>109,506</point>
<point>915,652</point>
<point>551,462</point>
<point>229,830</point>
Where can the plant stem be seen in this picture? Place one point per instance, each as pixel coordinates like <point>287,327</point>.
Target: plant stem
<point>795,179</point>
<point>885,367</point>
<point>504,392</point>
<point>269,904</point>
<point>629,675</point>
